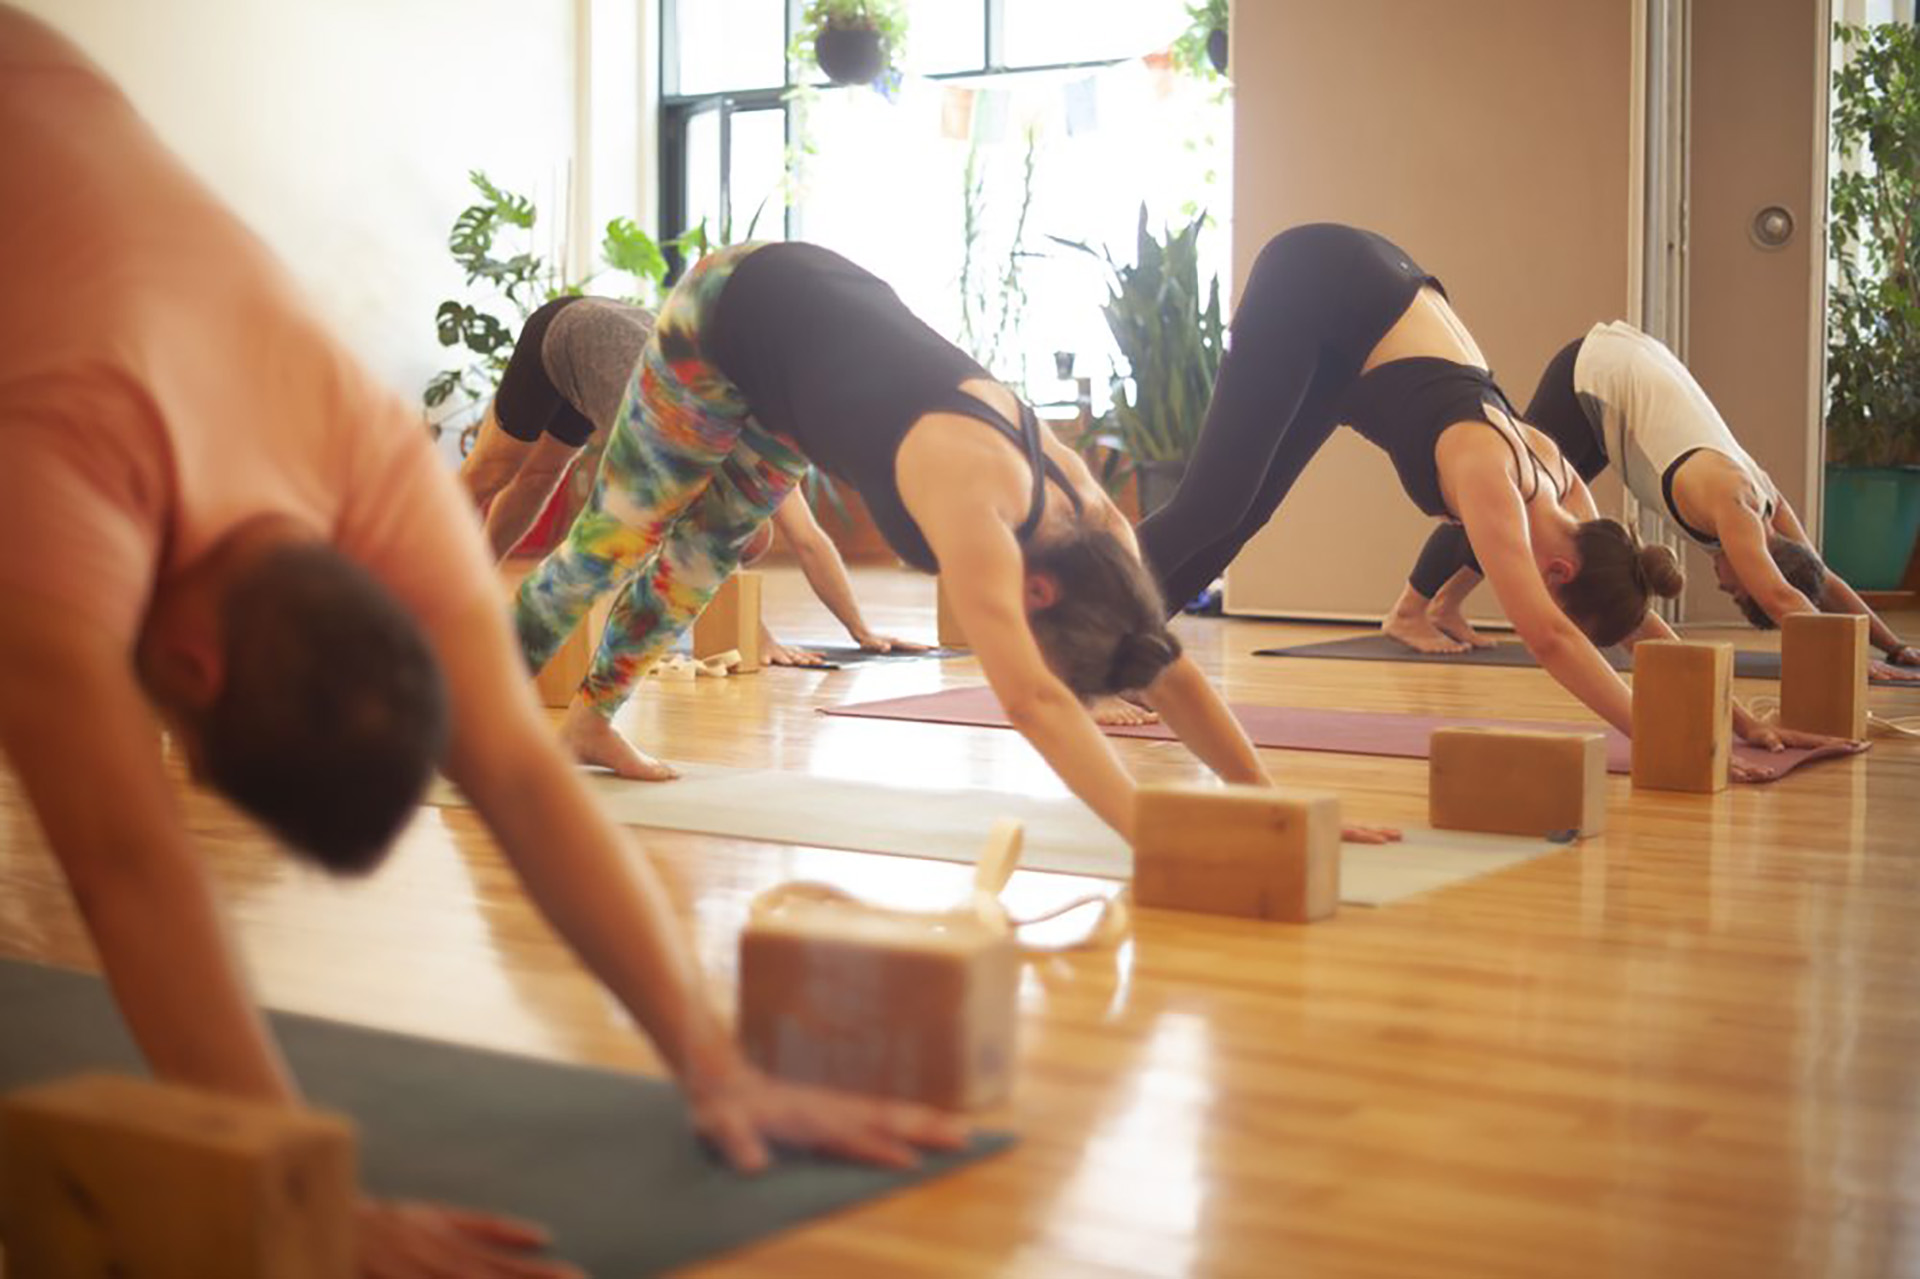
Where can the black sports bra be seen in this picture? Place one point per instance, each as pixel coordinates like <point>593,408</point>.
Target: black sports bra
<point>1405,405</point>
<point>1025,437</point>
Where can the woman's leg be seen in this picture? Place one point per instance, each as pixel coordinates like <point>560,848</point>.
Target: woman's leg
<point>1441,579</point>
<point>701,551</point>
<point>1273,379</point>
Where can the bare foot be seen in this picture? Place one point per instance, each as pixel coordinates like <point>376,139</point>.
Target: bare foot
<point>1119,712</point>
<point>1370,834</point>
<point>593,741</point>
<point>1456,626</point>
<point>1418,634</point>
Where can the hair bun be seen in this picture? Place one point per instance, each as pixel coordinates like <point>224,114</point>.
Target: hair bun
<point>1661,568</point>
<point>1140,656</point>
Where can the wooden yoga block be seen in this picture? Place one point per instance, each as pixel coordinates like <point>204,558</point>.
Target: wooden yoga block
<point>103,1175</point>
<point>731,621</point>
<point>1237,850</point>
<point>891,1003</point>
<point>560,678</point>
<point>1682,715</point>
<point>1517,782</point>
<point>946,626</point>
<point>1823,674</point>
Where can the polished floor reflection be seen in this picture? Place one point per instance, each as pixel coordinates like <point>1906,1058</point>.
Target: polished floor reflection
<point>1690,1047</point>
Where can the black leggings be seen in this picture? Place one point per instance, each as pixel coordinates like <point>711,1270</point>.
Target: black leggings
<point>1317,302</point>
<point>528,404</point>
<point>1555,410</point>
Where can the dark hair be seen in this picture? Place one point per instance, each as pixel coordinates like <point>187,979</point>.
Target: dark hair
<point>1607,598</point>
<point>1106,632</point>
<point>331,715</point>
<point>1800,565</point>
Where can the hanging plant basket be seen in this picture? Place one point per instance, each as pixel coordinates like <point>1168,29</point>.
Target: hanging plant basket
<point>1217,49</point>
<point>851,55</point>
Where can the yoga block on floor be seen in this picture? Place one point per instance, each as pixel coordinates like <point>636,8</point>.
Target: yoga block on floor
<point>1823,674</point>
<point>1514,782</point>
<point>105,1175</point>
<point>1251,851</point>
<point>731,621</point>
<point>1682,715</point>
<point>946,625</point>
<point>889,1003</point>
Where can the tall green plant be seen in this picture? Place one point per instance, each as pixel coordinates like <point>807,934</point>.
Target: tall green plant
<point>1171,336</point>
<point>491,240</point>
<point>1873,300</point>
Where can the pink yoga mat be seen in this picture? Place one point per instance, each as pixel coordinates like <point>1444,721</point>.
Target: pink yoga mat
<point>1297,728</point>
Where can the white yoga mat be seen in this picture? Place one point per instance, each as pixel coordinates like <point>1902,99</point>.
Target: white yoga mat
<point>951,825</point>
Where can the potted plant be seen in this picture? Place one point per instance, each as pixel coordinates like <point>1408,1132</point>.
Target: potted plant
<point>852,41</point>
<point>1202,48</point>
<point>1172,338</point>
<point>1873,309</point>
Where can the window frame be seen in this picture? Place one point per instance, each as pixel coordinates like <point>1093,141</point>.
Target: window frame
<point>677,109</point>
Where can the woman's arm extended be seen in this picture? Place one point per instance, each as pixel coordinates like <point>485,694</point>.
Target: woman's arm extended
<point>1496,522</point>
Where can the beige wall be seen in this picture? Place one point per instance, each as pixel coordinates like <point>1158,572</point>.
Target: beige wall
<point>1489,138</point>
<point>1759,139</point>
<point>343,131</point>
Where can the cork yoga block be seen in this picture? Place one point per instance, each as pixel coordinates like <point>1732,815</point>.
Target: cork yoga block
<point>1823,674</point>
<point>1237,850</point>
<point>1682,715</point>
<point>889,1003</point>
<point>946,625</point>
<point>1514,782</point>
<point>102,1175</point>
<point>731,621</point>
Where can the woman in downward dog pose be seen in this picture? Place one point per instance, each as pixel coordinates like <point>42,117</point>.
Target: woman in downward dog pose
<point>1339,325</point>
<point>769,356</point>
<point>562,390</point>
<point>1617,394</point>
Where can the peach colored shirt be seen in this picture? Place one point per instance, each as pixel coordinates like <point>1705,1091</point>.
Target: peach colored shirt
<point>161,381</point>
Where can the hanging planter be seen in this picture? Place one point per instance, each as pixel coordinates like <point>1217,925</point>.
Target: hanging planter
<point>852,41</point>
<point>1217,49</point>
<point>850,55</point>
<point>1201,49</point>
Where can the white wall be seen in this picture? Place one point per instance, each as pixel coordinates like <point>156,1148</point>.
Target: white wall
<point>342,131</point>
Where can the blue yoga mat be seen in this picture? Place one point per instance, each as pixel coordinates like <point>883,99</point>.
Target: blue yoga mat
<point>608,1162</point>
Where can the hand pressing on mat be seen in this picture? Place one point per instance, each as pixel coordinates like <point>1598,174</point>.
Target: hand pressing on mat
<point>426,1241</point>
<point>873,643</point>
<point>778,654</point>
<point>1902,667</point>
<point>748,1112</point>
<point>1370,834</point>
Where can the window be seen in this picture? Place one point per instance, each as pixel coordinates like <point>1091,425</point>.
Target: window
<point>1013,122</point>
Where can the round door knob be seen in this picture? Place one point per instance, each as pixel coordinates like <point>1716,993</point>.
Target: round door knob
<point>1772,227</point>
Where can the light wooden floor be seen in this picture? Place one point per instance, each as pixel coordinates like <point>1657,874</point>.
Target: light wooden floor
<point>1689,1048</point>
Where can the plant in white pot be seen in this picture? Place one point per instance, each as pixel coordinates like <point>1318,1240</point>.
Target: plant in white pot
<point>1873,309</point>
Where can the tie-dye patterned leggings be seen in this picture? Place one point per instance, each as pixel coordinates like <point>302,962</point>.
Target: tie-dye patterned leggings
<point>687,479</point>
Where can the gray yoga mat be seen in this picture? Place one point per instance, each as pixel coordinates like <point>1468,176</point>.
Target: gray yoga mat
<point>842,655</point>
<point>1062,834</point>
<point>608,1162</point>
<point>1747,664</point>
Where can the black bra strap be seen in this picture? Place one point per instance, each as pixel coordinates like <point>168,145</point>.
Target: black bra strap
<point>1025,437</point>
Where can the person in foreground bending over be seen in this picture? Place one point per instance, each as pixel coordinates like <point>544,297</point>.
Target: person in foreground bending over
<point>1618,394</point>
<point>1338,324</point>
<point>561,391</point>
<point>768,355</point>
<point>309,604</point>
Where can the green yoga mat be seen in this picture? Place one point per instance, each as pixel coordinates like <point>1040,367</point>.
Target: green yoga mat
<point>608,1162</point>
<point>951,825</point>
